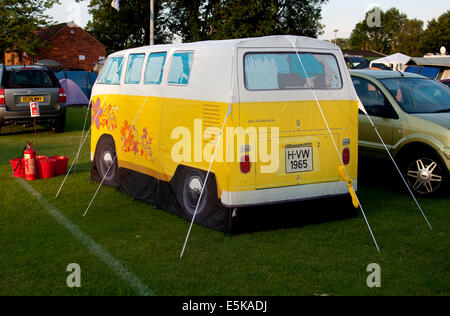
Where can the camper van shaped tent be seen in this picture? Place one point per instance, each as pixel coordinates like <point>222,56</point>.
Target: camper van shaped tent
<point>165,110</point>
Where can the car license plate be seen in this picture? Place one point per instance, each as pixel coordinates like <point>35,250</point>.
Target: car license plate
<point>299,159</point>
<point>31,99</point>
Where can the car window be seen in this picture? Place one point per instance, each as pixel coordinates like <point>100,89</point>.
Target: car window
<point>180,69</point>
<point>29,78</point>
<point>282,71</point>
<point>112,71</point>
<point>154,69</point>
<point>133,73</point>
<point>419,95</point>
<point>369,94</point>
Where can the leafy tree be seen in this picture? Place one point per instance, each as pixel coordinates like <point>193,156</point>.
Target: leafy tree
<point>378,38</point>
<point>194,20</point>
<point>20,19</point>
<point>407,40</point>
<point>299,17</point>
<point>437,34</point>
<point>343,43</point>
<point>190,19</point>
<point>130,27</point>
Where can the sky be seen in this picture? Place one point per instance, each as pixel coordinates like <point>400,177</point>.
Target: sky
<point>340,15</point>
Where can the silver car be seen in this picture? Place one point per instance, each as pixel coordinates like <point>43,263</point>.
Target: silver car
<point>20,85</point>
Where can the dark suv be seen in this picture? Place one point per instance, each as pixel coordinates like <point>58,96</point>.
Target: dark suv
<point>20,85</point>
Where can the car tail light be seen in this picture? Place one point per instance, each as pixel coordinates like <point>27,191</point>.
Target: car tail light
<point>346,156</point>
<point>62,96</point>
<point>245,164</point>
<point>2,97</point>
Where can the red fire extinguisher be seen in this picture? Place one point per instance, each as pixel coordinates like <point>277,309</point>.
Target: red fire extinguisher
<point>29,157</point>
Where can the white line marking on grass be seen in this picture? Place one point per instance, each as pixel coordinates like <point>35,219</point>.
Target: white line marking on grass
<point>98,250</point>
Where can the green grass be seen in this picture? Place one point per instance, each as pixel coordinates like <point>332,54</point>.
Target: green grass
<point>296,249</point>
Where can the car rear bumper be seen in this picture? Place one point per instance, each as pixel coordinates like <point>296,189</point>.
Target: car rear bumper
<point>285,194</point>
<point>24,117</point>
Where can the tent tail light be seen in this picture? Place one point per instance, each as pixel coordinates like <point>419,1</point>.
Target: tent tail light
<point>245,164</point>
<point>346,156</point>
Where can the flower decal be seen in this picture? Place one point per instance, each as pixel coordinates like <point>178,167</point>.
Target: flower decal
<point>104,116</point>
<point>127,136</point>
<point>97,113</point>
<point>138,143</point>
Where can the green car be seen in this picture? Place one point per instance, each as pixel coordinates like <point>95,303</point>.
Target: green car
<point>412,115</point>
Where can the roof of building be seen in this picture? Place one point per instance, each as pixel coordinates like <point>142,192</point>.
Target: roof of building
<point>431,61</point>
<point>48,31</point>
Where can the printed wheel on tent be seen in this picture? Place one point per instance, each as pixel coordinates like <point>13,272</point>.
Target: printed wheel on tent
<point>425,174</point>
<point>105,161</point>
<point>191,188</point>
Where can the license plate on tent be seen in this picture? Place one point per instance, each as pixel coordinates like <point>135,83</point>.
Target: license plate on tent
<point>299,159</point>
<point>31,99</point>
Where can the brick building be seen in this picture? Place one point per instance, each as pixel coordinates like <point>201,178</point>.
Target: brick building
<point>66,43</point>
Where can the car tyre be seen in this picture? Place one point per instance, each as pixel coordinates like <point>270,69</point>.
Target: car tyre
<point>60,125</point>
<point>426,174</point>
<point>106,161</point>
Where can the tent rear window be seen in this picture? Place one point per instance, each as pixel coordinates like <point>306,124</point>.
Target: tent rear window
<point>282,71</point>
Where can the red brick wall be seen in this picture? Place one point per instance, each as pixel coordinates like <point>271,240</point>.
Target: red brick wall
<point>13,59</point>
<point>66,48</point>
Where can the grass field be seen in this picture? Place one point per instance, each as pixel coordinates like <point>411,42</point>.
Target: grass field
<point>316,247</point>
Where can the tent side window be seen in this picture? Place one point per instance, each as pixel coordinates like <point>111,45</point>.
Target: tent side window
<point>154,69</point>
<point>111,71</point>
<point>133,73</point>
<point>180,70</point>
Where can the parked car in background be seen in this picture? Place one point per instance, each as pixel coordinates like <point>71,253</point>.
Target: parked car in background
<point>19,85</point>
<point>446,82</point>
<point>356,62</point>
<point>412,115</point>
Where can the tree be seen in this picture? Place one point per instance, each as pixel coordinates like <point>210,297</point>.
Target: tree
<point>191,20</point>
<point>195,20</point>
<point>378,38</point>
<point>407,40</point>
<point>20,20</point>
<point>130,27</point>
<point>343,43</point>
<point>299,17</point>
<point>437,34</point>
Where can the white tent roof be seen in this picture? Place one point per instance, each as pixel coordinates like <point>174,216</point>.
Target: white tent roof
<point>394,59</point>
<point>266,41</point>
